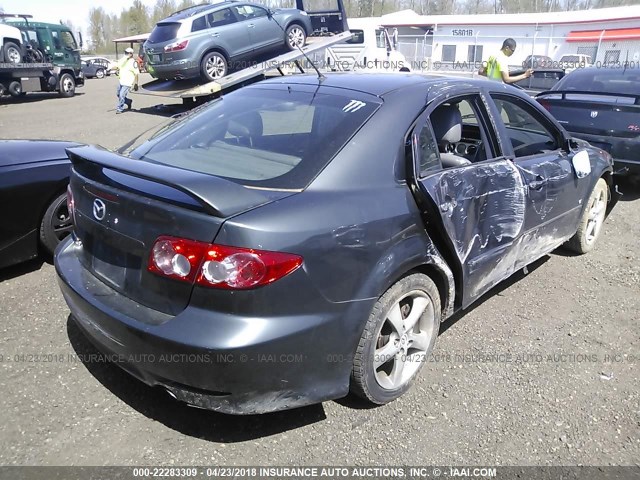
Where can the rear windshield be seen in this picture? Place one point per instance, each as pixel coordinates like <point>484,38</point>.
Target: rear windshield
<point>164,32</point>
<point>592,80</point>
<point>278,138</point>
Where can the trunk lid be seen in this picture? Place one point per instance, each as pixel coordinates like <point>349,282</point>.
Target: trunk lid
<point>123,205</point>
<point>595,114</point>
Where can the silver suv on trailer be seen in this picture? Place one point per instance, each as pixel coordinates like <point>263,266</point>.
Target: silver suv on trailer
<point>206,40</point>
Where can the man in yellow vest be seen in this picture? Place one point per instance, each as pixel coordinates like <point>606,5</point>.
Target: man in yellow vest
<point>127,69</point>
<point>497,67</point>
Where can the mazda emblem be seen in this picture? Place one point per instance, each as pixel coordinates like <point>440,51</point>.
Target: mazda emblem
<point>99,209</point>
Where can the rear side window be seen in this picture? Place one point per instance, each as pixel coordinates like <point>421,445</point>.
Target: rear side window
<point>199,23</point>
<point>164,32</point>
<point>270,138</point>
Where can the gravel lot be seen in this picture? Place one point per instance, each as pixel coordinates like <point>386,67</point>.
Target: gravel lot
<point>563,390</point>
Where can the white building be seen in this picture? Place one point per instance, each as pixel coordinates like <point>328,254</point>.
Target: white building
<point>607,35</point>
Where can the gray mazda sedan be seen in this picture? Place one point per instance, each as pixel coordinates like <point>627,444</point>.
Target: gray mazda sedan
<point>304,237</point>
<point>206,40</point>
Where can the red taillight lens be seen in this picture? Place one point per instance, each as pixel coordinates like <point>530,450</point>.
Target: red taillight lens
<point>545,104</point>
<point>176,258</point>
<point>219,266</point>
<point>176,47</point>
<point>71,206</point>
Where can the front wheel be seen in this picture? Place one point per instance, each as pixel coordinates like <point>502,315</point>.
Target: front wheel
<point>100,73</point>
<point>12,53</point>
<point>213,66</point>
<point>591,221</point>
<point>397,339</point>
<point>56,223</point>
<point>67,86</point>
<point>295,37</point>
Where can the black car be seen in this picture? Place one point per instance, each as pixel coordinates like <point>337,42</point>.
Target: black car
<point>97,67</point>
<point>33,186</point>
<point>304,236</point>
<point>602,106</point>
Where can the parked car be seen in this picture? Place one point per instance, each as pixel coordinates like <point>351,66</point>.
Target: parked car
<point>206,40</point>
<point>33,182</point>
<point>573,61</point>
<point>601,106</point>
<point>96,67</point>
<point>304,236</point>
<point>537,61</point>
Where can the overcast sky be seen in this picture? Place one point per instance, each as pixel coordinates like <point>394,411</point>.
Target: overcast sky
<point>77,11</point>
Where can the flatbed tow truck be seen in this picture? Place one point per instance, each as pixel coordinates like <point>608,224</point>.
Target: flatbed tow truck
<point>60,70</point>
<point>329,28</point>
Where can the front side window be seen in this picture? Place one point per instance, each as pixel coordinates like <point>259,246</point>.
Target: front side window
<point>68,41</point>
<point>266,137</point>
<point>528,131</point>
<point>246,12</point>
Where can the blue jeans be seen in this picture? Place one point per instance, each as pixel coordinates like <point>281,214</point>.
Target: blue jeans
<point>121,93</point>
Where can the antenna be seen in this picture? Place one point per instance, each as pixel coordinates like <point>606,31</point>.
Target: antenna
<point>320,75</point>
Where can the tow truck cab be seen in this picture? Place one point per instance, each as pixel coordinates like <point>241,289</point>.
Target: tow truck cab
<point>371,48</point>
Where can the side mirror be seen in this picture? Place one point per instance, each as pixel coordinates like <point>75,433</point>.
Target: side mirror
<point>269,13</point>
<point>581,164</point>
<point>80,37</point>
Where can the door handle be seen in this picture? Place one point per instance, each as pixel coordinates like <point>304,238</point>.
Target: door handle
<point>538,183</point>
<point>251,25</point>
<point>215,35</point>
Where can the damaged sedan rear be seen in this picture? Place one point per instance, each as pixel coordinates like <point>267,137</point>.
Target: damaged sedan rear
<point>304,237</point>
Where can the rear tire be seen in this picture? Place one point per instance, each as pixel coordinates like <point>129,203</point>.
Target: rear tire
<point>56,223</point>
<point>295,37</point>
<point>100,73</point>
<point>590,224</point>
<point>214,66</point>
<point>67,86</point>
<point>397,339</point>
<point>12,53</point>
<point>15,89</point>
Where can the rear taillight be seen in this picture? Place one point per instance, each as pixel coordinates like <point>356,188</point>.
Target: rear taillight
<point>545,104</point>
<point>176,47</point>
<point>71,206</point>
<point>219,266</point>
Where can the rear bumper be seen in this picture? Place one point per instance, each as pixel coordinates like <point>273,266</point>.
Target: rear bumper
<point>223,362</point>
<point>178,70</point>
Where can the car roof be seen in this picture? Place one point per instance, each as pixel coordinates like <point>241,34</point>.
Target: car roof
<point>379,84</point>
<point>195,10</point>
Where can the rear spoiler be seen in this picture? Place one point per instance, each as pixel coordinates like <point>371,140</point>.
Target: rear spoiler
<point>219,197</point>
<point>564,94</point>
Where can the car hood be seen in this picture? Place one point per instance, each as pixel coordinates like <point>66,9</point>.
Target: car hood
<point>20,152</point>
